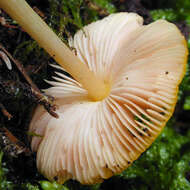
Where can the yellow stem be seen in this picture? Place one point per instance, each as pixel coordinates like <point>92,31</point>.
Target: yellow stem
<point>20,11</point>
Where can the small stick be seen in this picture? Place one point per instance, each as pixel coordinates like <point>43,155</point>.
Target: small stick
<point>5,112</point>
<point>94,6</point>
<point>12,145</point>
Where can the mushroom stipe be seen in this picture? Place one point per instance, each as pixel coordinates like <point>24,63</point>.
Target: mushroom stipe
<point>123,91</point>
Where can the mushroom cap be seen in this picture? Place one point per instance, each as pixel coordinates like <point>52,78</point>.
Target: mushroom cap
<point>92,140</point>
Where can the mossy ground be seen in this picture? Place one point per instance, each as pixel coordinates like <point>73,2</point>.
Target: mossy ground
<point>165,165</point>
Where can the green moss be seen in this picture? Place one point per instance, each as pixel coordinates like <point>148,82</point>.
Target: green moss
<point>106,4</point>
<point>166,14</point>
<point>181,172</point>
<point>63,13</point>
<point>66,17</point>
<point>4,183</point>
<point>183,7</point>
<point>46,185</point>
<point>29,186</point>
<point>186,105</point>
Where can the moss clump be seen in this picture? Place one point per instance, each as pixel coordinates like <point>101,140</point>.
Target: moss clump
<point>166,14</point>
<point>4,184</point>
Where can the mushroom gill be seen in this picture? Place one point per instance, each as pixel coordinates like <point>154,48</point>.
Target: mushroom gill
<point>92,140</point>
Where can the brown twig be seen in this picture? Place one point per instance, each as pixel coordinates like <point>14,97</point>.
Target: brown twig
<point>47,102</point>
<point>11,145</point>
<point>39,12</point>
<point>101,11</point>
<point>43,99</point>
<point>5,112</point>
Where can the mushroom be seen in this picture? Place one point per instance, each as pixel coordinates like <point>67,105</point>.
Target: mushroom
<point>96,136</point>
